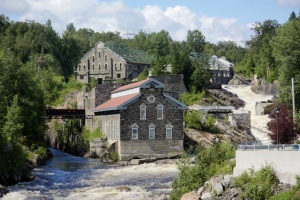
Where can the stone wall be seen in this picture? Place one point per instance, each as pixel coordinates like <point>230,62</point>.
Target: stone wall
<point>150,148</point>
<point>260,86</point>
<point>102,92</point>
<point>171,115</point>
<point>264,108</point>
<point>240,119</point>
<point>174,84</point>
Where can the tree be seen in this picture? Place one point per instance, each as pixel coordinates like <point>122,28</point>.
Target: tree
<point>286,50</point>
<point>287,129</point>
<point>195,41</point>
<point>292,16</point>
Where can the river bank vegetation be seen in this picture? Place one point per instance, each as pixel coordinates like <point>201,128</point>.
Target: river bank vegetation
<point>37,63</point>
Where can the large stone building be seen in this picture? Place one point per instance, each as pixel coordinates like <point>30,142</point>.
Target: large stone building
<point>222,70</point>
<point>142,121</point>
<point>109,61</point>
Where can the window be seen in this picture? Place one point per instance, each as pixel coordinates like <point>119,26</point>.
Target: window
<point>151,131</point>
<point>99,66</point>
<point>105,66</point>
<point>118,75</point>
<point>93,66</point>
<point>169,129</point>
<point>93,58</point>
<point>81,77</point>
<point>99,54</point>
<point>135,131</point>
<point>79,66</point>
<point>105,58</point>
<point>115,66</point>
<point>143,110</point>
<point>83,66</point>
<point>120,66</point>
<point>160,112</point>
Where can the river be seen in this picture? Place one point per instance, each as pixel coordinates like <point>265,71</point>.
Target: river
<point>68,177</point>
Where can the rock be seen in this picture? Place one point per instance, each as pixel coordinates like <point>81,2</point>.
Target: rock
<point>227,180</point>
<point>190,196</point>
<point>3,190</point>
<point>206,196</point>
<point>122,189</point>
<point>200,190</point>
<point>218,189</point>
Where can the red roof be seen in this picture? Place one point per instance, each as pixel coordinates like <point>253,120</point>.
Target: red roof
<point>130,86</point>
<point>115,103</point>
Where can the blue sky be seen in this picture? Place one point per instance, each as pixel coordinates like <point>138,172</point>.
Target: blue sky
<point>218,20</point>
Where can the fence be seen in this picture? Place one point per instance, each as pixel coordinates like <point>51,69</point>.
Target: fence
<point>269,147</point>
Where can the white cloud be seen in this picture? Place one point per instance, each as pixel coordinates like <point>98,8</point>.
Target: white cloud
<point>115,16</point>
<point>289,2</point>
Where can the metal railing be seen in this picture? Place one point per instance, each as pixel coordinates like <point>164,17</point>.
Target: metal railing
<point>269,147</point>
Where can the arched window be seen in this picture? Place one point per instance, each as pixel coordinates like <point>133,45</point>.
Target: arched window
<point>88,64</point>
<point>99,66</point>
<point>99,54</point>
<point>79,66</point>
<point>93,58</point>
<point>160,111</point>
<point>169,130</point>
<point>143,111</point>
<point>93,66</point>
<point>135,131</point>
<point>105,58</point>
<point>115,66</point>
<point>84,67</point>
<point>151,131</point>
<point>105,66</point>
<point>120,66</point>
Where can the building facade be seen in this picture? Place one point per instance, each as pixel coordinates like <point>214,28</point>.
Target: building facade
<point>142,121</point>
<point>221,69</point>
<point>109,61</point>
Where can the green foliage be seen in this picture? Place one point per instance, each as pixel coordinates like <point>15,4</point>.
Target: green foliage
<point>208,162</point>
<point>143,75</point>
<point>192,98</point>
<point>114,156</point>
<point>192,119</point>
<point>89,135</point>
<point>282,196</point>
<point>258,184</point>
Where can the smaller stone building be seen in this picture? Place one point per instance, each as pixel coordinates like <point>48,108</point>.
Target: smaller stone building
<point>110,61</point>
<point>222,70</point>
<point>142,121</point>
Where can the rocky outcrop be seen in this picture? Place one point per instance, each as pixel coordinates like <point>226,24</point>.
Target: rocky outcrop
<point>260,86</point>
<point>227,98</point>
<point>239,80</point>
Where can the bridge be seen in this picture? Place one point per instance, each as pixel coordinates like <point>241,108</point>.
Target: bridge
<point>213,109</point>
<point>52,113</point>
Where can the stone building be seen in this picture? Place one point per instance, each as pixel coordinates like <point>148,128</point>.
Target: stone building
<point>109,62</point>
<point>222,70</point>
<point>142,121</point>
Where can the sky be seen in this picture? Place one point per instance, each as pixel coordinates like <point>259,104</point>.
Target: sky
<point>218,20</point>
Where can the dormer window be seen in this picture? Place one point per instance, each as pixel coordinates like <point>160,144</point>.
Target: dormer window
<point>160,111</point>
<point>143,111</point>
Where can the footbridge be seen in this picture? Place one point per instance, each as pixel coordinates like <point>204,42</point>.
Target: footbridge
<point>213,109</point>
<point>52,113</point>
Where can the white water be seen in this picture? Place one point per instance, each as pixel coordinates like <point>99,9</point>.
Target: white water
<point>72,178</point>
<point>258,122</point>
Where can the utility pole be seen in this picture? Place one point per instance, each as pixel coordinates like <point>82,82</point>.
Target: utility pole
<point>293,99</point>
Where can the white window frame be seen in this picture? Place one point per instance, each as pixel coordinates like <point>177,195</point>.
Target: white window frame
<point>151,131</point>
<point>135,132</point>
<point>143,111</point>
<point>169,132</point>
<point>160,111</point>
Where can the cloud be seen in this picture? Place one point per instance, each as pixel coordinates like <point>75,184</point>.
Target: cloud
<point>289,3</point>
<point>116,16</point>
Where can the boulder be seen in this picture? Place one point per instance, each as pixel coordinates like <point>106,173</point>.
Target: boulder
<point>206,196</point>
<point>190,196</point>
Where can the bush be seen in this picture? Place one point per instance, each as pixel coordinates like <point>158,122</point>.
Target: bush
<point>192,98</point>
<point>259,184</point>
<point>192,119</point>
<point>114,156</point>
<point>89,135</point>
<point>208,162</point>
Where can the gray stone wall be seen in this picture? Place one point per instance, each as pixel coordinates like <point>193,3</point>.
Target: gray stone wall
<point>102,63</point>
<point>240,119</point>
<point>149,148</point>
<point>109,125</point>
<point>102,92</point>
<point>171,115</point>
<point>174,84</point>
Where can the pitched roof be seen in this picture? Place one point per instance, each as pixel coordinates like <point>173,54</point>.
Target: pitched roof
<point>117,103</point>
<point>144,84</point>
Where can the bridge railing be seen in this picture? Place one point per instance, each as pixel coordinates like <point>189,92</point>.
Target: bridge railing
<point>269,147</point>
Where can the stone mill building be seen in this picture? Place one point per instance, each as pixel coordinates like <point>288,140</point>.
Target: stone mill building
<point>109,61</point>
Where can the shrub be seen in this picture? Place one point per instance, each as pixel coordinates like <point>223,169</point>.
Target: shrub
<point>192,119</point>
<point>114,156</point>
<point>192,98</point>
<point>208,162</point>
<point>89,135</point>
<point>259,184</point>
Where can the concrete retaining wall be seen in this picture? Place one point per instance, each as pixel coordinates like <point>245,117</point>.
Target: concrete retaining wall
<point>285,163</point>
